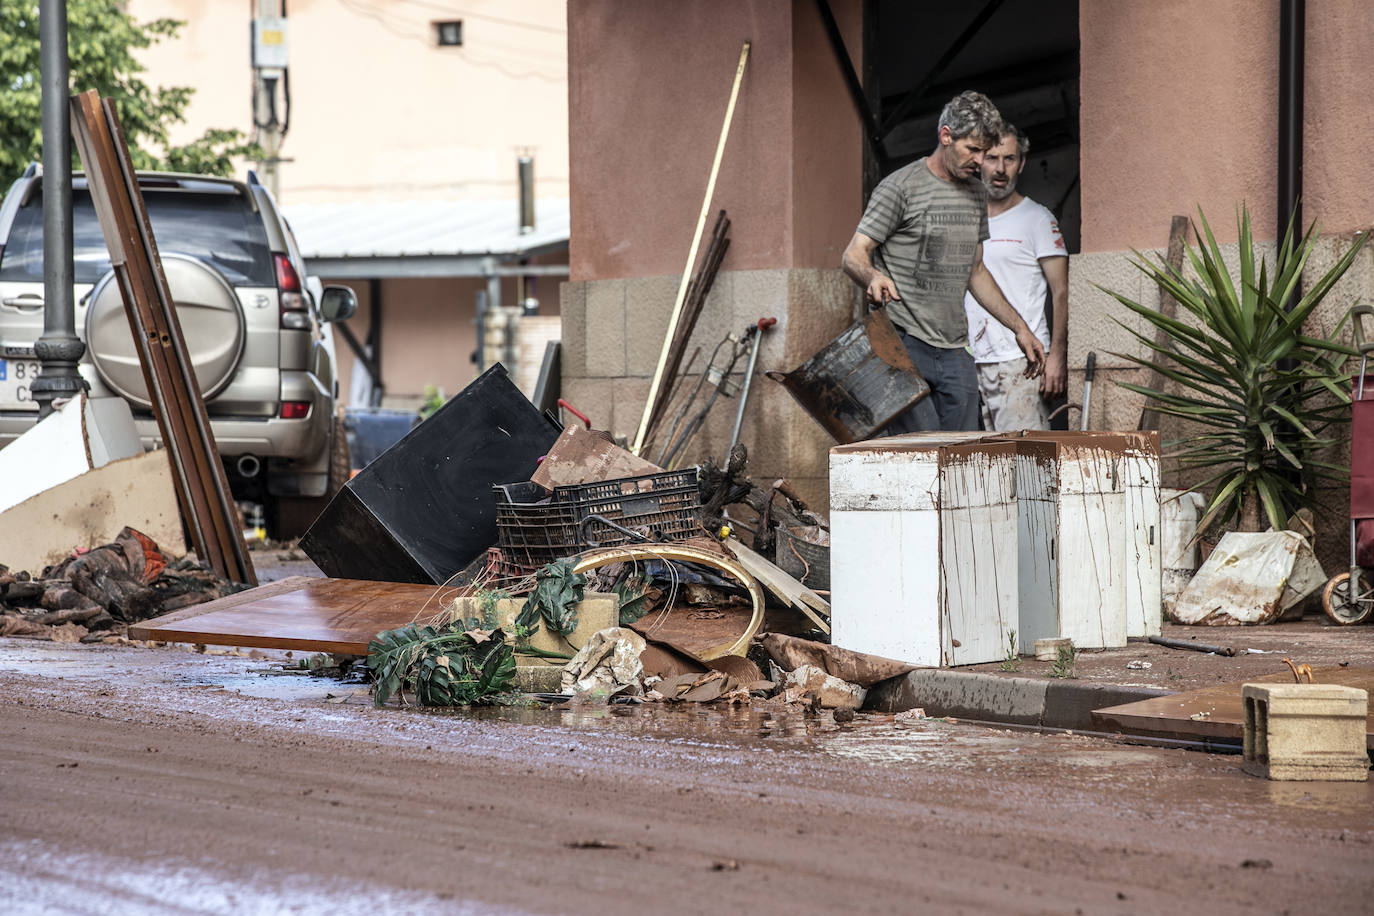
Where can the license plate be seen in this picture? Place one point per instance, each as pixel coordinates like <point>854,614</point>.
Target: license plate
<point>16,375</point>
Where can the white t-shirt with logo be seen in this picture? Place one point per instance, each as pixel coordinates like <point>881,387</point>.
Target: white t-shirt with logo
<point>1018,239</point>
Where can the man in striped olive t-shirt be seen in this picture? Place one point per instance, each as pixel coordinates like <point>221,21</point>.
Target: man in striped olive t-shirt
<point>919,246</point>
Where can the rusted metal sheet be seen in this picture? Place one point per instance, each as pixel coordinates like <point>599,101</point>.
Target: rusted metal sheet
<point>1215,713</point>
<point>859,382</point>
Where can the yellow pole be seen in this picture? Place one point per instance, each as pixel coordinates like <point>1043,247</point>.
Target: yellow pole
<point>691,256</point>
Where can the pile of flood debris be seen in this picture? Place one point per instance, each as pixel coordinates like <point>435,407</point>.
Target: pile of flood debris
<point>493,551</point>
<point>91,594</point>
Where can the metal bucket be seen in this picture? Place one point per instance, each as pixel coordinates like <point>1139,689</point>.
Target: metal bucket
<point>797,553</point>
<point>859,383</point>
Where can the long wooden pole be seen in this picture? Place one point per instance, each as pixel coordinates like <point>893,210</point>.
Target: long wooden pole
<point>691,256</point>
<point>1168,306</point>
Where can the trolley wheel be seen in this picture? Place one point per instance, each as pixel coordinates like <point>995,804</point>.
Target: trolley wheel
<point>1341,606</point>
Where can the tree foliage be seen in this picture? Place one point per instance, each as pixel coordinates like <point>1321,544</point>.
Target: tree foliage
<point>102,41</point>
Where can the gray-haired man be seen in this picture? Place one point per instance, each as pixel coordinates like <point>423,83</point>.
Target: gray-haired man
<point>919,246</point>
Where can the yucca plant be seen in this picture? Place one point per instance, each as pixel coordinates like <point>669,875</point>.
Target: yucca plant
<point>1263,394</point>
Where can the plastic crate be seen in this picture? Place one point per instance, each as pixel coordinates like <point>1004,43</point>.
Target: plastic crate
<point>533,530</point>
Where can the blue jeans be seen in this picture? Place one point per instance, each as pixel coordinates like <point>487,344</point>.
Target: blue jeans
<point>952,404</point>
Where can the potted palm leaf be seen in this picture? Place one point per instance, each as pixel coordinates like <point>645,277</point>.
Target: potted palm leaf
<point>1259,393</point>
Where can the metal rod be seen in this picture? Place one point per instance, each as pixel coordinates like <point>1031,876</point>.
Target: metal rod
<point>1194,646</point>
<point>59,349</point>
<point>1089,369</point>
<point>748,377</point>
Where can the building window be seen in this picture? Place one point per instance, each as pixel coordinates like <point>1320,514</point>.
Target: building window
<point>450,34</point>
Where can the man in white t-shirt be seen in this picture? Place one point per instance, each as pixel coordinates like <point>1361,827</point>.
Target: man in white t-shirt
<point>1026,256</point>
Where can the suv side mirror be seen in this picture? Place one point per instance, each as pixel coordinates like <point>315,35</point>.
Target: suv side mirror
<point>337,303</point>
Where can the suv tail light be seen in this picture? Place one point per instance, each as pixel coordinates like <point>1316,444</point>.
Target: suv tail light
<point>294,410</point>
<point>289,291</point>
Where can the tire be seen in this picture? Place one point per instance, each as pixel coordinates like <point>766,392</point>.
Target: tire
<point>289,516</point>
<point>1339,605</point>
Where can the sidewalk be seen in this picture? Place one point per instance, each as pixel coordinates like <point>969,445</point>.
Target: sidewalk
<point>1030,695</point>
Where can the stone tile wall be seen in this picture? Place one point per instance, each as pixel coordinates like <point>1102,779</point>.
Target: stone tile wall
<point>613,331</point>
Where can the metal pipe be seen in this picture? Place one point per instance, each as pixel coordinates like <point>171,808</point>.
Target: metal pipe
<point>1192,646</point>
<point>525,168</point>
<point>59,349</point>
<point>763,324</point>
<point>248,466</point>
<point>1292,38</point>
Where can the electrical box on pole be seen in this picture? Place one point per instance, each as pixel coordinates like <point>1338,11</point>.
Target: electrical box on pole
<point>269,59</point>
<point>269,43</point>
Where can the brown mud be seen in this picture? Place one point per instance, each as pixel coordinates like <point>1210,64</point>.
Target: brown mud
<point>157,780</point>
<point>1260,651</point>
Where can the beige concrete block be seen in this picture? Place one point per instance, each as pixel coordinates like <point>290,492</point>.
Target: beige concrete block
<point>821,304</point>
<point>91,509</point>
<point>1111,407</point>
<point>605,341</point>
<point>626,406</point>
<point>717,319</point>
<point>809,443</point>
<point>648,306</point>
<point>1093,313</point>
<point>759,294</point>
<point>1306,732</point>
<point>572,305</point>
<point>595,612</point>
<point>1355,288</point>
<point>531,678</point>
<point>593,396</point>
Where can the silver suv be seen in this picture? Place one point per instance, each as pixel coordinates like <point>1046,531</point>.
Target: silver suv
<point>256,326</point>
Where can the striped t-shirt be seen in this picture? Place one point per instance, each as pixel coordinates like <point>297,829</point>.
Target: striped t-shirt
<point>927,230</point>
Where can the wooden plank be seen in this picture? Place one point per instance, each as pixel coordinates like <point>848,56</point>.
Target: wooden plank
<point>781,584</point>
<point>202,488</point>
<point>223,517</point>
<point>1216,712</point>
<point>113,209</point>
<point>302,614</point>
<point>1168,306</point>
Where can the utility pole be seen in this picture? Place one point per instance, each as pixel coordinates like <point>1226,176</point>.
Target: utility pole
<point>58,349</point>
<point>269,70</point>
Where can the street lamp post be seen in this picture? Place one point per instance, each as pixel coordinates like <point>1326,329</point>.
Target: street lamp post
<point>59,349</point>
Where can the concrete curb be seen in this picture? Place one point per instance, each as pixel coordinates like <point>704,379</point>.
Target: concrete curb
<point>990,698</point>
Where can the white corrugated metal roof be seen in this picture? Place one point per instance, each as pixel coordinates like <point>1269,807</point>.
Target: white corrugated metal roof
<point>425,229</point>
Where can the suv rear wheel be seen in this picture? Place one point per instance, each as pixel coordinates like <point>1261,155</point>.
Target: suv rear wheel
<point>289,516</point>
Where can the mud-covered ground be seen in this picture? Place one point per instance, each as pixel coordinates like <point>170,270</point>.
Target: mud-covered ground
<point>158,780</point>
<point>1259,651</point>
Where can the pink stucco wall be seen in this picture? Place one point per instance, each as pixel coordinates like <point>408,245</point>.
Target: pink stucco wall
<point>1180,110</point>
<point>648,85</point>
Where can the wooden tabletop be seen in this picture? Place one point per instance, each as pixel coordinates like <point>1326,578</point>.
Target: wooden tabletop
<point>301,614</point>
<point>1215,712</point>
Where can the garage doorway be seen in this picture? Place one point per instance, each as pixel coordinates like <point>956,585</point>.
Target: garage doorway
<point>1023,54</point>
